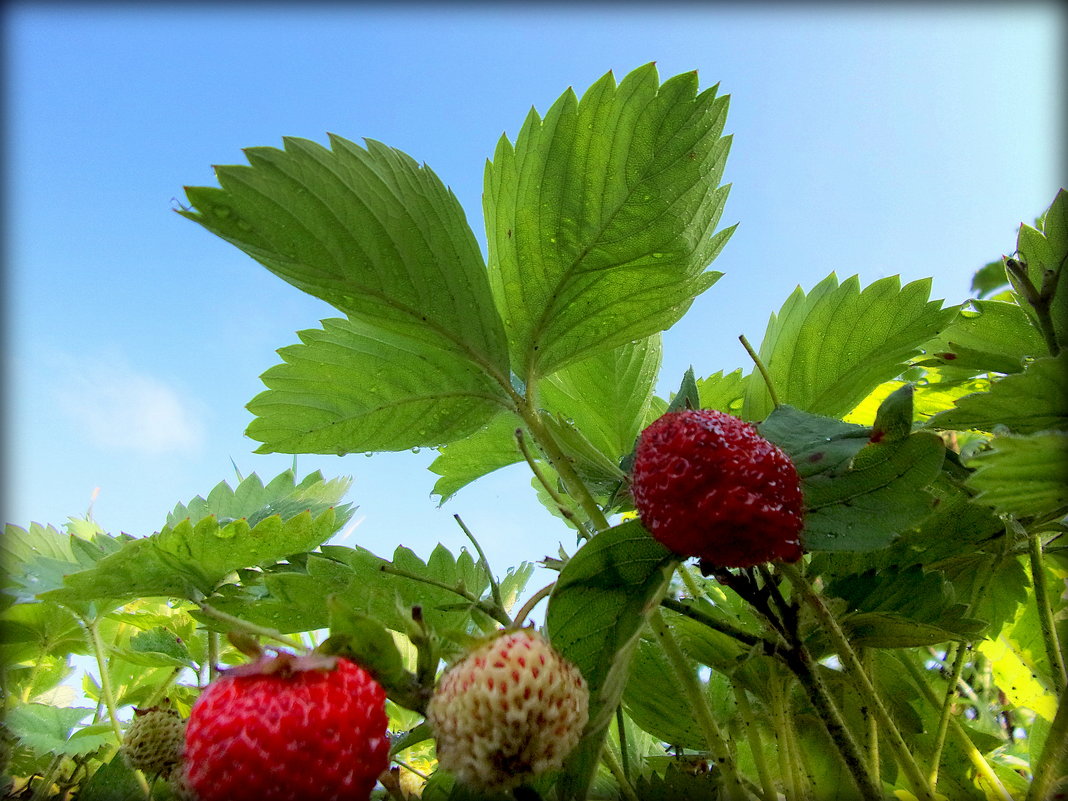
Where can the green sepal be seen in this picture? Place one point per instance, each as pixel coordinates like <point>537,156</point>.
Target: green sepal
<point>367,642</point>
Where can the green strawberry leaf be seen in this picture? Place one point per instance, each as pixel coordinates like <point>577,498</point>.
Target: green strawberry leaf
<point>724,393</point>
<point>881,495</point>
<point>990,336</point>
<point>815,444</point>
<point>1043,250</point>
<point>1024,476</point>
<point>283,495</point>
<point>112,781</point>
<point>1031,401</point>
<point>600,218</point>
<point>594,619</point>
<point>893,420</point>
<point>607,397</point>
<point>47,729</point>
<point>655,702</point>
<point>989,278</point>
<point>190,559</point>
<point>902,608</point>
<point>355,386</point>
<point>466,460</point>
<point>31,630</point>
<point>688,396</point>
<point>367,230</point>
<point>156,647</point>
<point>825,351</point>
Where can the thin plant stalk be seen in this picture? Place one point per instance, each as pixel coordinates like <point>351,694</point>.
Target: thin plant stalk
<point>1045,616</point>
<point>788,767</point>
<point>695,694</point>
<point>976,758</point>
<point>238,624</point>
<point>855,671</point>
<point>867,660</point>
<point>756,744</point>
<point>564,508</point>
<point>616,770</point>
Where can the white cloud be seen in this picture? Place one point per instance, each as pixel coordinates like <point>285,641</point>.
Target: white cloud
<point>119,408</point>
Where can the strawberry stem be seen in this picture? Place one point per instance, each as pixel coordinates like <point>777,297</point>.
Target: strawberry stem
<point>763,370</point>
<point>1045,616</point>
<point>495,588</point>
<point>561,505</point>
<point>855,671</point>
<point>238,624</point>
<point>695,693</point>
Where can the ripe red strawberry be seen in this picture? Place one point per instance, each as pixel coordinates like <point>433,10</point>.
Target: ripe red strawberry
<point>288,728</point>
<point>706,484</point>
<point>510,710</point>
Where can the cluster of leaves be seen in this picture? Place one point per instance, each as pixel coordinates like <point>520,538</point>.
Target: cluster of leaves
<point>914,651</point>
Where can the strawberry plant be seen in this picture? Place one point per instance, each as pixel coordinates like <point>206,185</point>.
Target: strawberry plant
<point>877,504</point>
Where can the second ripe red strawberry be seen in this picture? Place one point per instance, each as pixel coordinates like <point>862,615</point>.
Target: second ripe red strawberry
<point>706,484</point>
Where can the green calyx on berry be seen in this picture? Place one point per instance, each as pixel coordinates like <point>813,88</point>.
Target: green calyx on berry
<point>706,484</point>
<point>510,710</point>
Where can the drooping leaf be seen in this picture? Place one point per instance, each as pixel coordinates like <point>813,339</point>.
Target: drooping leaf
<point>989,278</point>
<point>1025,475</point>
<point>600,218</point>
<point>988,336</point>
<point>1026,402</point>
<point>366,229</point>
<point>825,351</point>
<point>29,631</point>
<point>477,455</point>
<point>895,608</point>
<point>654,700</point>
<point>595,616</point>
<point>355,386</point>
<point>879,497</point>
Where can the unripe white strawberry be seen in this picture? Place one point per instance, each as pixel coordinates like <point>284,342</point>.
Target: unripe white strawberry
<point>154,740</point>
<point>508,711</point>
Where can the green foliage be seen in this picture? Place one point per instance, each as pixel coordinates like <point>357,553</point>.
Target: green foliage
<point>600,218</point>
<point>828,349</point>
<point>924,628</point>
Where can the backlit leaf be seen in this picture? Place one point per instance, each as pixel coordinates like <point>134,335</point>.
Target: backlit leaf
<point>825,351</point>
<point>600,219</point>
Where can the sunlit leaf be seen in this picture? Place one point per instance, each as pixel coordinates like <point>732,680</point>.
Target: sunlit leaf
<point>601,218</point>
<point>826,350</point>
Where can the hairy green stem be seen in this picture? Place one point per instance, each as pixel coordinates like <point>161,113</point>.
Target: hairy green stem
<point>756,744</point>
<point>616,770</point>
<point>564,508</point>
<point>1045,616</point>
<point>621,730</point>
<point>1054,756</point>
<point>976,758</point>
<point>533,601</point>
<point>695,694</point>
<point>788,767</point>
<point>687,580</point>
<point>495,588</point>
<point>576,487</point>
<point>867,659</point>
<point>1040,300</point>
<point>238,624</point>
<point>855,671</point>
<point>107,692</point>
<point>694,613</point>
<point>213,654</point>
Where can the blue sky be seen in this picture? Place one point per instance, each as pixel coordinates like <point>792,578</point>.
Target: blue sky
<point>878,140</point>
